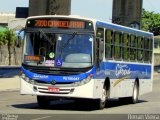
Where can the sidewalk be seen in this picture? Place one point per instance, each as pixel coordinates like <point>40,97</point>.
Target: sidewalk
<point>9,83</point>
<point>9,78</point>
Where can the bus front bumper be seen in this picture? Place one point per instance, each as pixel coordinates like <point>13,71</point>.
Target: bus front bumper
<point>91,90</point>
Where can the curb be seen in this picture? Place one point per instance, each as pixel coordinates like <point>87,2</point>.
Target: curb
<point>9,67</point>
<point>8,90</point>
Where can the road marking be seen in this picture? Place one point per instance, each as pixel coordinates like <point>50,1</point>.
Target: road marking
<point>42,118</point>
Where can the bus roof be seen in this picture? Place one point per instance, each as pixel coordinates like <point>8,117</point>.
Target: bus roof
<point>63,16</point>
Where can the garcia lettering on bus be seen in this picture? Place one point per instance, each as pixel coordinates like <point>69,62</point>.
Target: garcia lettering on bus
<point>122,69</point>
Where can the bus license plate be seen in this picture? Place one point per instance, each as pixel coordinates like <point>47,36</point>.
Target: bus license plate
<point>53,89</point>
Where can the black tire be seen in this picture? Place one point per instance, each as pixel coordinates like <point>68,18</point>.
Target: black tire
<point>134,98</point>
<point>101,103</point>
<point>43,102</point>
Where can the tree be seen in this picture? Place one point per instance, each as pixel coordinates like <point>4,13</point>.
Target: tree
<point>2,39</point>
<point>11,38</point>
<point>151,22</point>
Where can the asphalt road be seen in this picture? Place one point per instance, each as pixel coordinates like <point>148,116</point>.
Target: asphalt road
<point>12,104</point>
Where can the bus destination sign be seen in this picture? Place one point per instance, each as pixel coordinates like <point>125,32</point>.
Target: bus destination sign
<point>61,24</point>
<point>46,23</point>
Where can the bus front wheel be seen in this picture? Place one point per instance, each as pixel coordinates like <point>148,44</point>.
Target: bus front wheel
<point>102,102</point>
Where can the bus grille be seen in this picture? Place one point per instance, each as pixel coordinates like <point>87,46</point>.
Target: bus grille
<point>61,91</point>
<point>51,72</point>
<point>58,84</point>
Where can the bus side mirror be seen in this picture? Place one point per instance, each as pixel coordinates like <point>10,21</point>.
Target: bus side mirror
<point>19,42</point>
<point>20,38</point>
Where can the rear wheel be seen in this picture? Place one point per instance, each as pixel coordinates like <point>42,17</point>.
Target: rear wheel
<point>134,98</point>
<point>43,102</point>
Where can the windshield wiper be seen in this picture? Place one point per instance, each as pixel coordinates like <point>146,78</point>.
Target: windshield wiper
<point>67,43</point>
<point>46,37</point>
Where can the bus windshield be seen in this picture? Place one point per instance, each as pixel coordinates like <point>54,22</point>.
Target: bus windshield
<point>70,50</point>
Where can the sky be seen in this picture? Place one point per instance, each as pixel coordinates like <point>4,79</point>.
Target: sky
<point>98,9</point>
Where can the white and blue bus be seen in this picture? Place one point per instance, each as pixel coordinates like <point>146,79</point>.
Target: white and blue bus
<point>74,57</point>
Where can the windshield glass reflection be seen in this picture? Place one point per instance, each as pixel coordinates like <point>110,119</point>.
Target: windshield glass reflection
<point>58,50</point>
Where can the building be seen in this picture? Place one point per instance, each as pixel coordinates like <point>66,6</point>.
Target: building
<point>156,50</point>
<point>16,24</point>
<point>5,18</point>
<point>9,20</point>
<point>127,13</point>
<point>49,7</point>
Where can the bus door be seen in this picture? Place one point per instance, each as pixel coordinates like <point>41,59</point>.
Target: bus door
<point>99,46</point>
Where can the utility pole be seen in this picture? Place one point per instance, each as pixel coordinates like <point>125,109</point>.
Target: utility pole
<point>127,13</point>
<point>49,7</point>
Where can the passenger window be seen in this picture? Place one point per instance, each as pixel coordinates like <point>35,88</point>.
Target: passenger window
<point>140,55</point>
<point>146,56</point>
<point>117,52</point>
<point>125,39</point>
<point>100,33</point>
<point>146,43</point>
<point>125,49</point>
<point>139,44</point>
<point>132,54</point>
<point>117,38</point>
<point>117,45</point>
<point>125,53</point>
<point>108,45</point>
<point>151,44</point>
<point>133,41</point>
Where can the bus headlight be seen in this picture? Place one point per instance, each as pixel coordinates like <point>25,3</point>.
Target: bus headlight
<point>24,77</point>
<point>27,79</point>
<point>32,82</point>
<point>82,82</point>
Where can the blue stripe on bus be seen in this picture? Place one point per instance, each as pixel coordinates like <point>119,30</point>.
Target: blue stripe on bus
<point>107,69</point>
<point>49,78</point>
<point>120,70</point>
